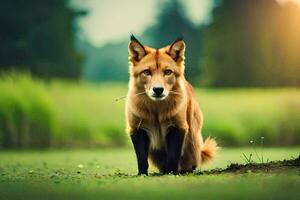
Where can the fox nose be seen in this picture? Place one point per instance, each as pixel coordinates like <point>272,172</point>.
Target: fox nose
<point>158,90</point>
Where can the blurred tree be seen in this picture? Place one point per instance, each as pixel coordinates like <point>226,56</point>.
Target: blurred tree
<point>105,63</point>
<point>172,23</point>
<point>252,43</point>
<point>101,63</point>
<point>39,36</point>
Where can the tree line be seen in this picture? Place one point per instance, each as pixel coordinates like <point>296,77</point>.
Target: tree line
<point>38,36</point>
<point>248,43</point>
<point>252,43</point>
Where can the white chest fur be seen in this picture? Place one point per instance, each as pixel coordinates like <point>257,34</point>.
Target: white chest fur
<point>157,133</point>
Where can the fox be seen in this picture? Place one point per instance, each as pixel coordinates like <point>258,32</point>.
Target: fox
<point>163,118</point>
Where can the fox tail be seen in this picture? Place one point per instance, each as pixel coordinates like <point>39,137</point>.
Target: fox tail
<point>208,150</point>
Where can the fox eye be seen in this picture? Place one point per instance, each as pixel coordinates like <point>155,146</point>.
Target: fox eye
<point>146,72</point>
<point>168,72</point>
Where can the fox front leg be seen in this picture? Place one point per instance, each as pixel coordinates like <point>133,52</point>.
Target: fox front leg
<point>175,138</point>
<point>140,142</point>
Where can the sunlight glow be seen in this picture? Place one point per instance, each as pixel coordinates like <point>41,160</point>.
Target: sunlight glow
<point>286,1</point>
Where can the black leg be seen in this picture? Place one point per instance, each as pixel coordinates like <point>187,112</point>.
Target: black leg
<point>174,139</point>
<point>140,142</point>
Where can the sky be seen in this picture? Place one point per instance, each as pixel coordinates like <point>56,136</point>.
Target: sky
<point>114,20</point>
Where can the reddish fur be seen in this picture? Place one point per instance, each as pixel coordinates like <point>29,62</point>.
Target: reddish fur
<point>180,110</point>
<point>208,150</point>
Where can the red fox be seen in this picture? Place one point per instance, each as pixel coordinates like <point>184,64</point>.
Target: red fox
<point>163,118</point>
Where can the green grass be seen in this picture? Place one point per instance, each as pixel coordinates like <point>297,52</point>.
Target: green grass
<point>64,114</point>
<point>27,113</point>
<point>110,174</point>
<point>236,116</point>
<point>233,116</point>
<point>88,114</point>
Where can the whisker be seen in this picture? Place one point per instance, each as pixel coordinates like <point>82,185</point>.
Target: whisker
<point>123,97</point>
<point>140,93</point>
<point>173,92</point>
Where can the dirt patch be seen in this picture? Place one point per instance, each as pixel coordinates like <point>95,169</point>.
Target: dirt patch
<point>257,167</point>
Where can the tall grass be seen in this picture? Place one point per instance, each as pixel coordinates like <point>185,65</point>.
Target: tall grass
<point>88,114</point>
<point>237,116</point>
<point>67,114</point>
<point>27,114</point>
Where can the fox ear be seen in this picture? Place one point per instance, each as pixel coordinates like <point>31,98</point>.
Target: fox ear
<point>177,49</point>
<point>136,49</point>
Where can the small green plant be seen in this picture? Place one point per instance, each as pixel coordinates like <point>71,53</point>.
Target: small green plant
<point>262,148</point>
<point>260,157</point>
<point>255,151</point>
<point>248,159</point>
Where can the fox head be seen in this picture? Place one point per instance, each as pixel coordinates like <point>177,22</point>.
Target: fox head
<point>156,72</point>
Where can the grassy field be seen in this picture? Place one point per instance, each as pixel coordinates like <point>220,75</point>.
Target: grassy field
<point>110,174</point>
<point>36,114</point>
